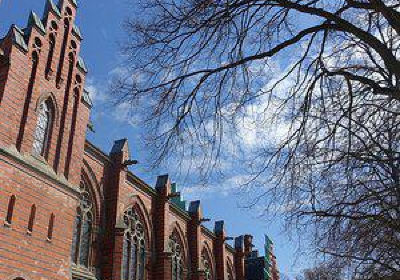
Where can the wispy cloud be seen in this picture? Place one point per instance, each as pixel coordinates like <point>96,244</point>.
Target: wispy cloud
<point>97,90</point>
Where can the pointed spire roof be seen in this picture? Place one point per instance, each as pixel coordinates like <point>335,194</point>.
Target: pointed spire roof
<point>18,37</point>
<point>77,31</point>
<point>34,20</point>
<point>87,98</point>
<point>72,1</point>
<point>50,6</point>
<point>81,64</point>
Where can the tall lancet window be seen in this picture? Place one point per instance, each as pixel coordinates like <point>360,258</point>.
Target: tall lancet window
<point>134,248</point>
<point>82,235</point>
<point>206,262</point>
<point>43,127</point>
<point>177,262</point>
<point>229,271</point>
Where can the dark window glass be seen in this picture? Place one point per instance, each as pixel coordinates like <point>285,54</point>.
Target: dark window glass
<point>132,263</point>
<point>32,218</point>
<point>50,228</point>
<point>76,237</point>
<point>86,242</point>
<point>126,257</point>
<point>142,262</point>
<point>52,43</point>
<point>10,210</point>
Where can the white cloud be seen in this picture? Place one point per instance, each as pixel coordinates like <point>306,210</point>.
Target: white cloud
<point>96,90</point>
<point>232,185</point>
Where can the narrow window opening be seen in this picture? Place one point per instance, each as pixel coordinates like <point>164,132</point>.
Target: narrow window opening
<point>76,237</point>
<point>32,216</point>
<point>64,113</point>
<point>72,132</point>
<point>133,261</point>
<point>86,241</point>
<point>206,261</point>
<point>83,230</point>
<point>37,44</point>
<point>52,43</point>
<point>68,11</point>
<point>73,45</point>
<point>31,85</point>
<point>134,250</point>
<point>126,256</point>
<point>63,50</point>
<point>50,228</point>
<point>10,210</point>
<point>54,26</point>
<point>43,129</point>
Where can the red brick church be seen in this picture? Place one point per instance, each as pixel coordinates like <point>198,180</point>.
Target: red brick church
<point>67,209</point>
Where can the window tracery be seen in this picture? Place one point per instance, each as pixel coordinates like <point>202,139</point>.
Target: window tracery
<point>177,262</point>
<point>82,235</point>
<point>134,247</point>
<point>43,127</point>
<point>229,271</point>
<point>206,262</point>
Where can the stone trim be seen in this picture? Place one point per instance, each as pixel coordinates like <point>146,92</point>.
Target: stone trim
<point>207,232</point>
<point>92,150</point>
<point>177,210</point>
<point>138,183</point>
<point>82,273</point>
<point>229,248</point>
<point>37,166</point>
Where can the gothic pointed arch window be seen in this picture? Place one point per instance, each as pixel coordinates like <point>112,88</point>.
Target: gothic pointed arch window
<point>83,230</point>
<point>134,247</point>
<point>207,265</point>
<point>177,262</point>
<point>41,139</point>
<point>229,272</point>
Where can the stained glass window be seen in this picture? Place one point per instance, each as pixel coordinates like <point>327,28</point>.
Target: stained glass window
<point>229,271</point>
<point>42,130</point>
<point>86,241</point>
<point>134,251</point>
<point>206,262</point>
<point>82,234</point>
<point>177,265</point>
<point>142,260</point>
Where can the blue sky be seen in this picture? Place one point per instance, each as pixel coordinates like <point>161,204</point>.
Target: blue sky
<point>100,22</point>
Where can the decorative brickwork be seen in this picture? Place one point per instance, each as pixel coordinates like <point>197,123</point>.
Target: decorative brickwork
<point>68,210</point>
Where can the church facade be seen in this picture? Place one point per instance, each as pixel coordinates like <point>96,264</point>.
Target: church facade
<point>67,209</point>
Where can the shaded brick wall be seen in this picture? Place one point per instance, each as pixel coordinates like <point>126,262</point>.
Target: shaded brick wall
<point>32,254</point>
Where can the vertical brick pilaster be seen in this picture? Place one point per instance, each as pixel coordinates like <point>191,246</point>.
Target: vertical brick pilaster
<point>162,265</point>
<point>118,253</point>
<point>113,242</point>
<point>239,258</point>
<point>194,231</point>
<point>219,250</point>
